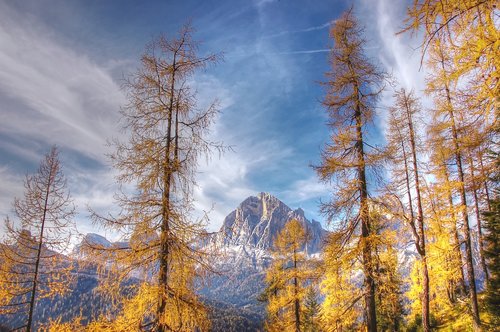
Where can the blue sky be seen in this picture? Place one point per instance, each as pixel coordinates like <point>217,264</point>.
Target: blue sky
<point>62,64</point>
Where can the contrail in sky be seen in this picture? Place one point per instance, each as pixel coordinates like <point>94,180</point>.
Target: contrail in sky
<point>314,28</point>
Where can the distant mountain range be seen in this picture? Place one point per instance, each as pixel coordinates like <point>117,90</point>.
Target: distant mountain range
<point>244,242</point>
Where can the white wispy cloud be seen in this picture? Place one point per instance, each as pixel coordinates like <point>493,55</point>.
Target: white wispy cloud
<point>398,54</point>
<point>261,3</point>
<point>11,187</point>
<point>305,190</point>
<point>399,51</point>
<point>55,95</point>
<point>20,150</point>
<point>225,180</point>
<point>267,78</point>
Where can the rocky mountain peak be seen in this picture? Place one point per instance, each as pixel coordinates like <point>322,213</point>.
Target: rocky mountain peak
<point>92,240</point>
<point>245,241</point>
<point>256,222</point>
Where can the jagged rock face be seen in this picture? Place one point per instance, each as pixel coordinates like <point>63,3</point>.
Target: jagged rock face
<point>258,220</point>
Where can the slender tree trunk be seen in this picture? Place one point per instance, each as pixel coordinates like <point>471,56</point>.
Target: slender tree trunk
<point>426,321</point>
<point>164,247</point>
<point>296,291</point>
<point>40,244</point>
<point>451,288</point>
<point>371,313</point>
<point>468,247</point>
<point>485,177</point>
<point>420,222</point>
<point>461,287</point>
<point>165,227</point>
<point>410,200</point>
<point>465,215</point>
<point>478,219</point>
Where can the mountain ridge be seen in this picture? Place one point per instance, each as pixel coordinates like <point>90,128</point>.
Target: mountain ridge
<point>257,220</point>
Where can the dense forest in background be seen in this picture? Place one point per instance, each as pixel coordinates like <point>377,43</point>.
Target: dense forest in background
<point>433,187</point>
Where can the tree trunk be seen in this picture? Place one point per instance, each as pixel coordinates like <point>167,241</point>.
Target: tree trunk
<point>461,287</point>
<point>485,177</point>
<point>165,227</point>
<point>478,219</point>
<point>296,290</point>
<point>296,306</point>
<point>465,215</point>
<point>426,322</point>
<point>40,243</point>
<point>468,248</point>
<point>420,222</point>
<point>164,251</point>
<point>371,314</point>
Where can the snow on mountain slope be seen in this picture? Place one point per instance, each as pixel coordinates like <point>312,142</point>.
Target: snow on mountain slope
<point>245,242</point>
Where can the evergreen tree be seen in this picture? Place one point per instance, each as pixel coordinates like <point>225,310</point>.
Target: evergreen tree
<point>492,244</point>
<point>311,311</point>
<point>491,250</point>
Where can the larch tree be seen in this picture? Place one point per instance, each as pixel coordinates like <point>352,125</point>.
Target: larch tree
<point>444,256</point>
<point>476,123</point>
<point>32,264</point>
<point>387,277</point>
<point>483,181</point>
<point>443,260</point>
<point>441,202</point>
<point>403,141</point>
<point>353,87</point>
<point>467,36</point>
<point>470,30</point>
<point>287,279</point>
<point>447,118</point>
<point>467,32</point>
<point>486,169</point>
<point>167,134</point>
<point>342,306</point>
<point>473,187</point>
